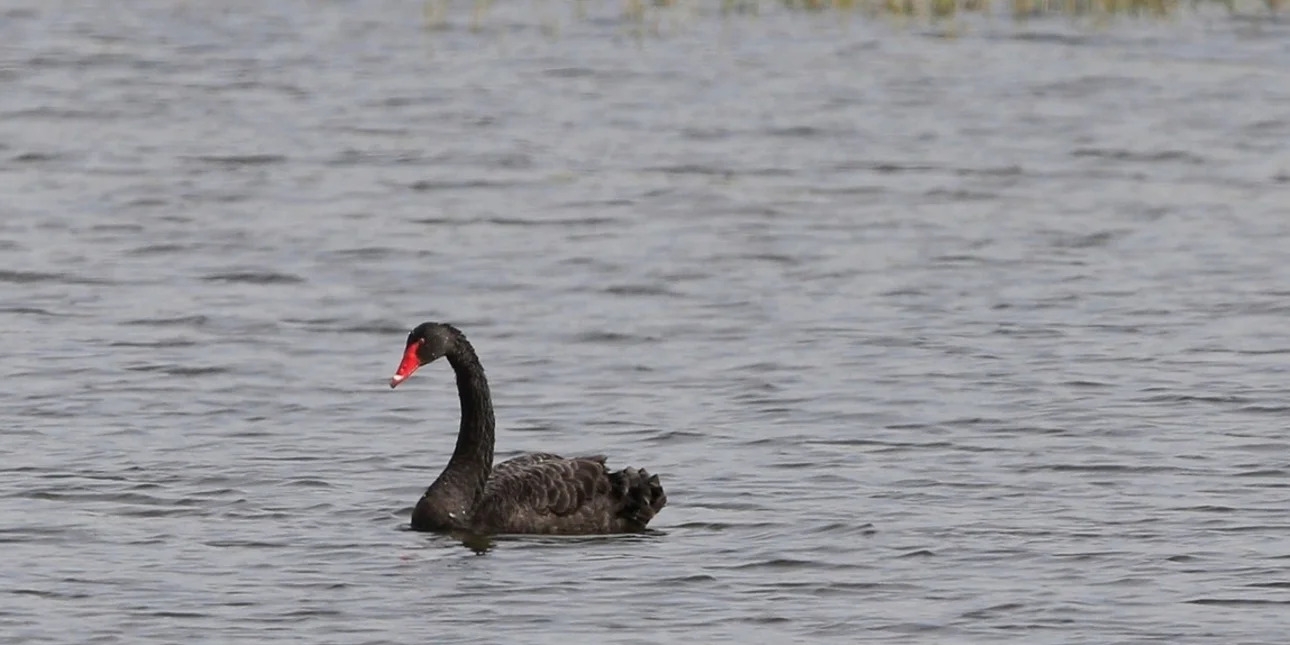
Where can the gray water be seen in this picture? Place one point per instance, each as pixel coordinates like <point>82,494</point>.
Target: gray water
<point>934,336</point>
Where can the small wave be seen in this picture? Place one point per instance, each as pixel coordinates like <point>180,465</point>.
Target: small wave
<point>706,134</point>
<point>146,202</point>
<point>170,613</point>
<point>1091,240</point>
<point>713,526</point>
<point>85,495</point>
<point>259,544</point>
<point>1279,473</point>
<point>609,338</point>
<point>116,228</point>
<point>311,322</point>
<point>1189,398</point>
<point>150,512</point>
<point>240,160</point>
<point>992,611</point>
<point>844,528</point>
<point>597,203</point>
<point>785,563</point>
<point>693,169</point>
<point>254,277</point>
<point>33,277</point>
<point>799,132</point>
<point>364,253</point>
<point>558,222</point>
<point>698,577</point>
<point>1085,383</point>
<point>918,553</point>
<point>771,258</point>
<point>179,370</point>
<point>676,436</point>
<point>29,311</point>
<point>955,195</point>
<point>1206,508</point>
<point>44,593</point>
<point>1237,602</point>
<point>888,167</point>
<point>179,321</point>
<point>1251,528</point>
<point>428,185</point>
<point>1138,157</point>
<point>165,342</point>
<point>31,534</point>
<point>513,221</point>
<point>37,157</point>
<point>1265,409</point>
<point>1108,468</point>
<point>376,329</point>
<point>639,290</point>
<point>569,72</point>
<point>158,249</point>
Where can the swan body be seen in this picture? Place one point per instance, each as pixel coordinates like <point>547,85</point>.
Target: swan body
<point>534,493</point>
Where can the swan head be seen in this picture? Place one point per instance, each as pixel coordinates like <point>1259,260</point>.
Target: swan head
<point>427,343</point>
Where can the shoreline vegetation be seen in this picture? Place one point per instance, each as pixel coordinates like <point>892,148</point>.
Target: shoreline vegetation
<point>438,12</point>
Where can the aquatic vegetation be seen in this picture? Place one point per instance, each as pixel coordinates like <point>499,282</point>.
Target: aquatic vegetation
<point>647,11</point>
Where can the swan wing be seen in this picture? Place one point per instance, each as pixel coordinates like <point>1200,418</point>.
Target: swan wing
<point>557,496</point>
<point>523,461</point>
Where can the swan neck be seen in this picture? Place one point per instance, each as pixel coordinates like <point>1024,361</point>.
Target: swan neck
<point>472,459</point>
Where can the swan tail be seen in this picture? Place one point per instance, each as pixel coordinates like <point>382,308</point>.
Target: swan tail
<point>641,493</point>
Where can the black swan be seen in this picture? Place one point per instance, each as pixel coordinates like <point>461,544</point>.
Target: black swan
<point>533,493</point>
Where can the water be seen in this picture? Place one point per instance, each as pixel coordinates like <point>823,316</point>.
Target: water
<point>969,339</point>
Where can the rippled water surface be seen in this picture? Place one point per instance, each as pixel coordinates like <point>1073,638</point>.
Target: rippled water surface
<point>979,338</point>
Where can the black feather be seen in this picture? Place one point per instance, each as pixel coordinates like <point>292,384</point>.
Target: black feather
<point>532,493</point>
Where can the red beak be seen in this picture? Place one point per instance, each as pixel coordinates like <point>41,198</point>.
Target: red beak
<point>408,365</point>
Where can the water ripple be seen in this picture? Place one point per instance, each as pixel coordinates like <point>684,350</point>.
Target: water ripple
<point>983,344</point>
